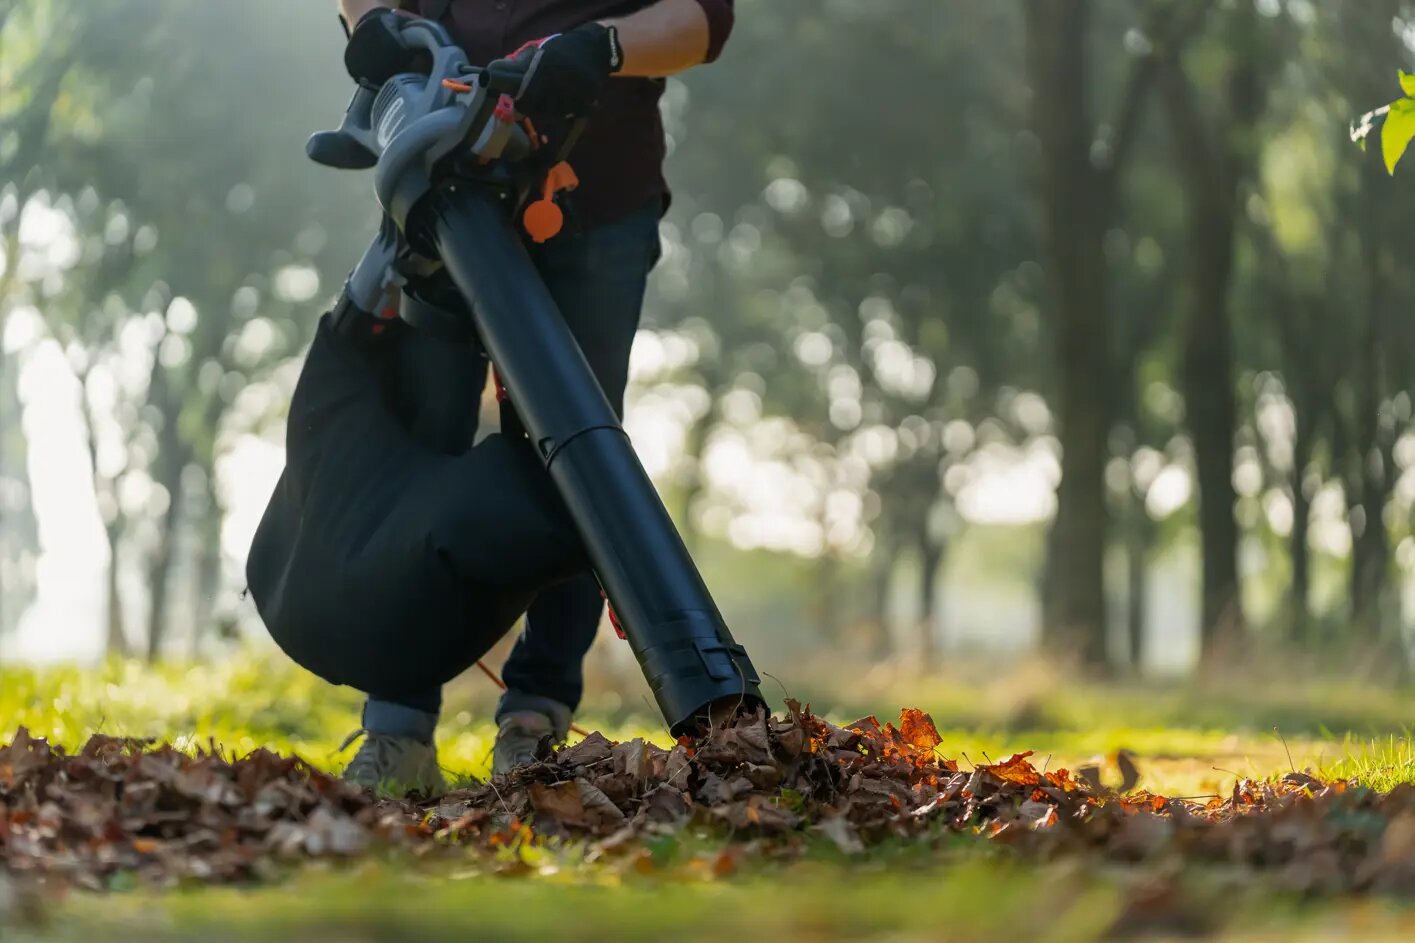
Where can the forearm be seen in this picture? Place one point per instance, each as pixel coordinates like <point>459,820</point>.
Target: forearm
<point>669,37</point>
<point>353,10</point>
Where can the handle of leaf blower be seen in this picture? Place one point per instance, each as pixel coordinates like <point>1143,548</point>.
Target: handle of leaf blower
<point>354,144</point>
<point>349,146</point>
<point>501,82</point>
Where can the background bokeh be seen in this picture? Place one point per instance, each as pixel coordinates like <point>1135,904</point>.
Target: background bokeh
<point>982,329</point>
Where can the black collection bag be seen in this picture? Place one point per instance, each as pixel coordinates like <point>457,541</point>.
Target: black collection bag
<point>393,553</point>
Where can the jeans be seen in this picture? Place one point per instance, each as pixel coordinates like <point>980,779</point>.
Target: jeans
<point>597,278</point>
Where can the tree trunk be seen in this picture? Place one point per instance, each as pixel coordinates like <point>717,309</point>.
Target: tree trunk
<point>1074,612</point>
<point>1139,538</point>
<point>1370,550</point>
<point>116,644</point>
<point>160,566</point>
<point>1209,396</point>
<point>828,615</point>
<point>931,555</point>
<point>874,631</point>
<point>1301,630</point>
<point>1214,157</point>
<point>11,417</point>
<point>208,575</point>
<point>172,457</point>
<point>4,463</point>
<point>693,445</point>
<point>116,637</point>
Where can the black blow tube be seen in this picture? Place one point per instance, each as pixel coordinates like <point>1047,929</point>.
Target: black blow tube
<point>674,628</point>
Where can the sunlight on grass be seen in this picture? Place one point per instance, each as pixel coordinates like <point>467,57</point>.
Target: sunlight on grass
<point>259,699</point>
<point>1381,764</point>
<point>901,892</point>
<point>249,701</point>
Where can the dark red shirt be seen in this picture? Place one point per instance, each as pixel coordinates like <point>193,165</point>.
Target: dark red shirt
<point>619,160</point>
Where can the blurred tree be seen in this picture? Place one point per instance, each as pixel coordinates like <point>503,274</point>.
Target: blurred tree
<point>1327,272</point>
<point>1079,168</point>
<point>1372,245</point>
<point>223,290</point>
<point>1215,149</point>
<point>908,316</point>
<point>854,294</point>
<point>1140,437</point>
<point>277,216</point>
<point>37,61</point>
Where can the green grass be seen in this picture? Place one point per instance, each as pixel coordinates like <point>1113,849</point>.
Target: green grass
<point>388,901</point>
<point>1382,763</point>
<point>953,894</point>
<point>1189,740</point>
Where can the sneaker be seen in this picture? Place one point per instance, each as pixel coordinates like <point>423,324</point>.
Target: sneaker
<point>519,739</point>
<point>392,766</point>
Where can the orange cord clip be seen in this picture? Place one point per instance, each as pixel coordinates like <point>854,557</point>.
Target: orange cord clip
<point>456,86</point>
<point>543,218</point>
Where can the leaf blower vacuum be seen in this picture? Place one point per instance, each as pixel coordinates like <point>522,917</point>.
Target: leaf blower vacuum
<point>391,566</point>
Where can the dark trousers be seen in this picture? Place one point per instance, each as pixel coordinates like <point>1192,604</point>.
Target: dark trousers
<point>597,278</point>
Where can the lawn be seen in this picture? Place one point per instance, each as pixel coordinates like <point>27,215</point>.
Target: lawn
<point>1187,741</point>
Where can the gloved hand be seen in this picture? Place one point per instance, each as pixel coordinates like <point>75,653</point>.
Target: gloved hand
<point>561,75</point>
<point>374,54</point>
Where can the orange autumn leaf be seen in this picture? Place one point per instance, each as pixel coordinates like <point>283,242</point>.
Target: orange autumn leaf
<point>918,730</point>
<point>726,862</point>
<point>1015,769</point>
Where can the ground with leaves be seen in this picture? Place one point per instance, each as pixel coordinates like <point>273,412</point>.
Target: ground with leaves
<point>792,800</point>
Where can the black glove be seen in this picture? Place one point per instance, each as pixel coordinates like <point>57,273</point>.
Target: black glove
<point>374,54</point>
<point>561,75</point>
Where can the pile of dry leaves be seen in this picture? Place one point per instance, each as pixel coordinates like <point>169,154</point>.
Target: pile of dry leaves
<point>122,806</point>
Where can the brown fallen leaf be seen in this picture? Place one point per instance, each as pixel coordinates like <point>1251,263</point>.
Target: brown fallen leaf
<point>125,807</point>
<point>1140,835</point>
<point>593,749</point>
<point>1129,772</point>
<point>634,760</point>
<point>666,806</point>
<point>757,814</point>
<point>577,804</point>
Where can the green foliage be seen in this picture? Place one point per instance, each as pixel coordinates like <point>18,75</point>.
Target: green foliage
<point>1398,128</point>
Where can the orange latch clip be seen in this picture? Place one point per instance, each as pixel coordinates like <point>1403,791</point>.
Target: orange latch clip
<point>543,218</point>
